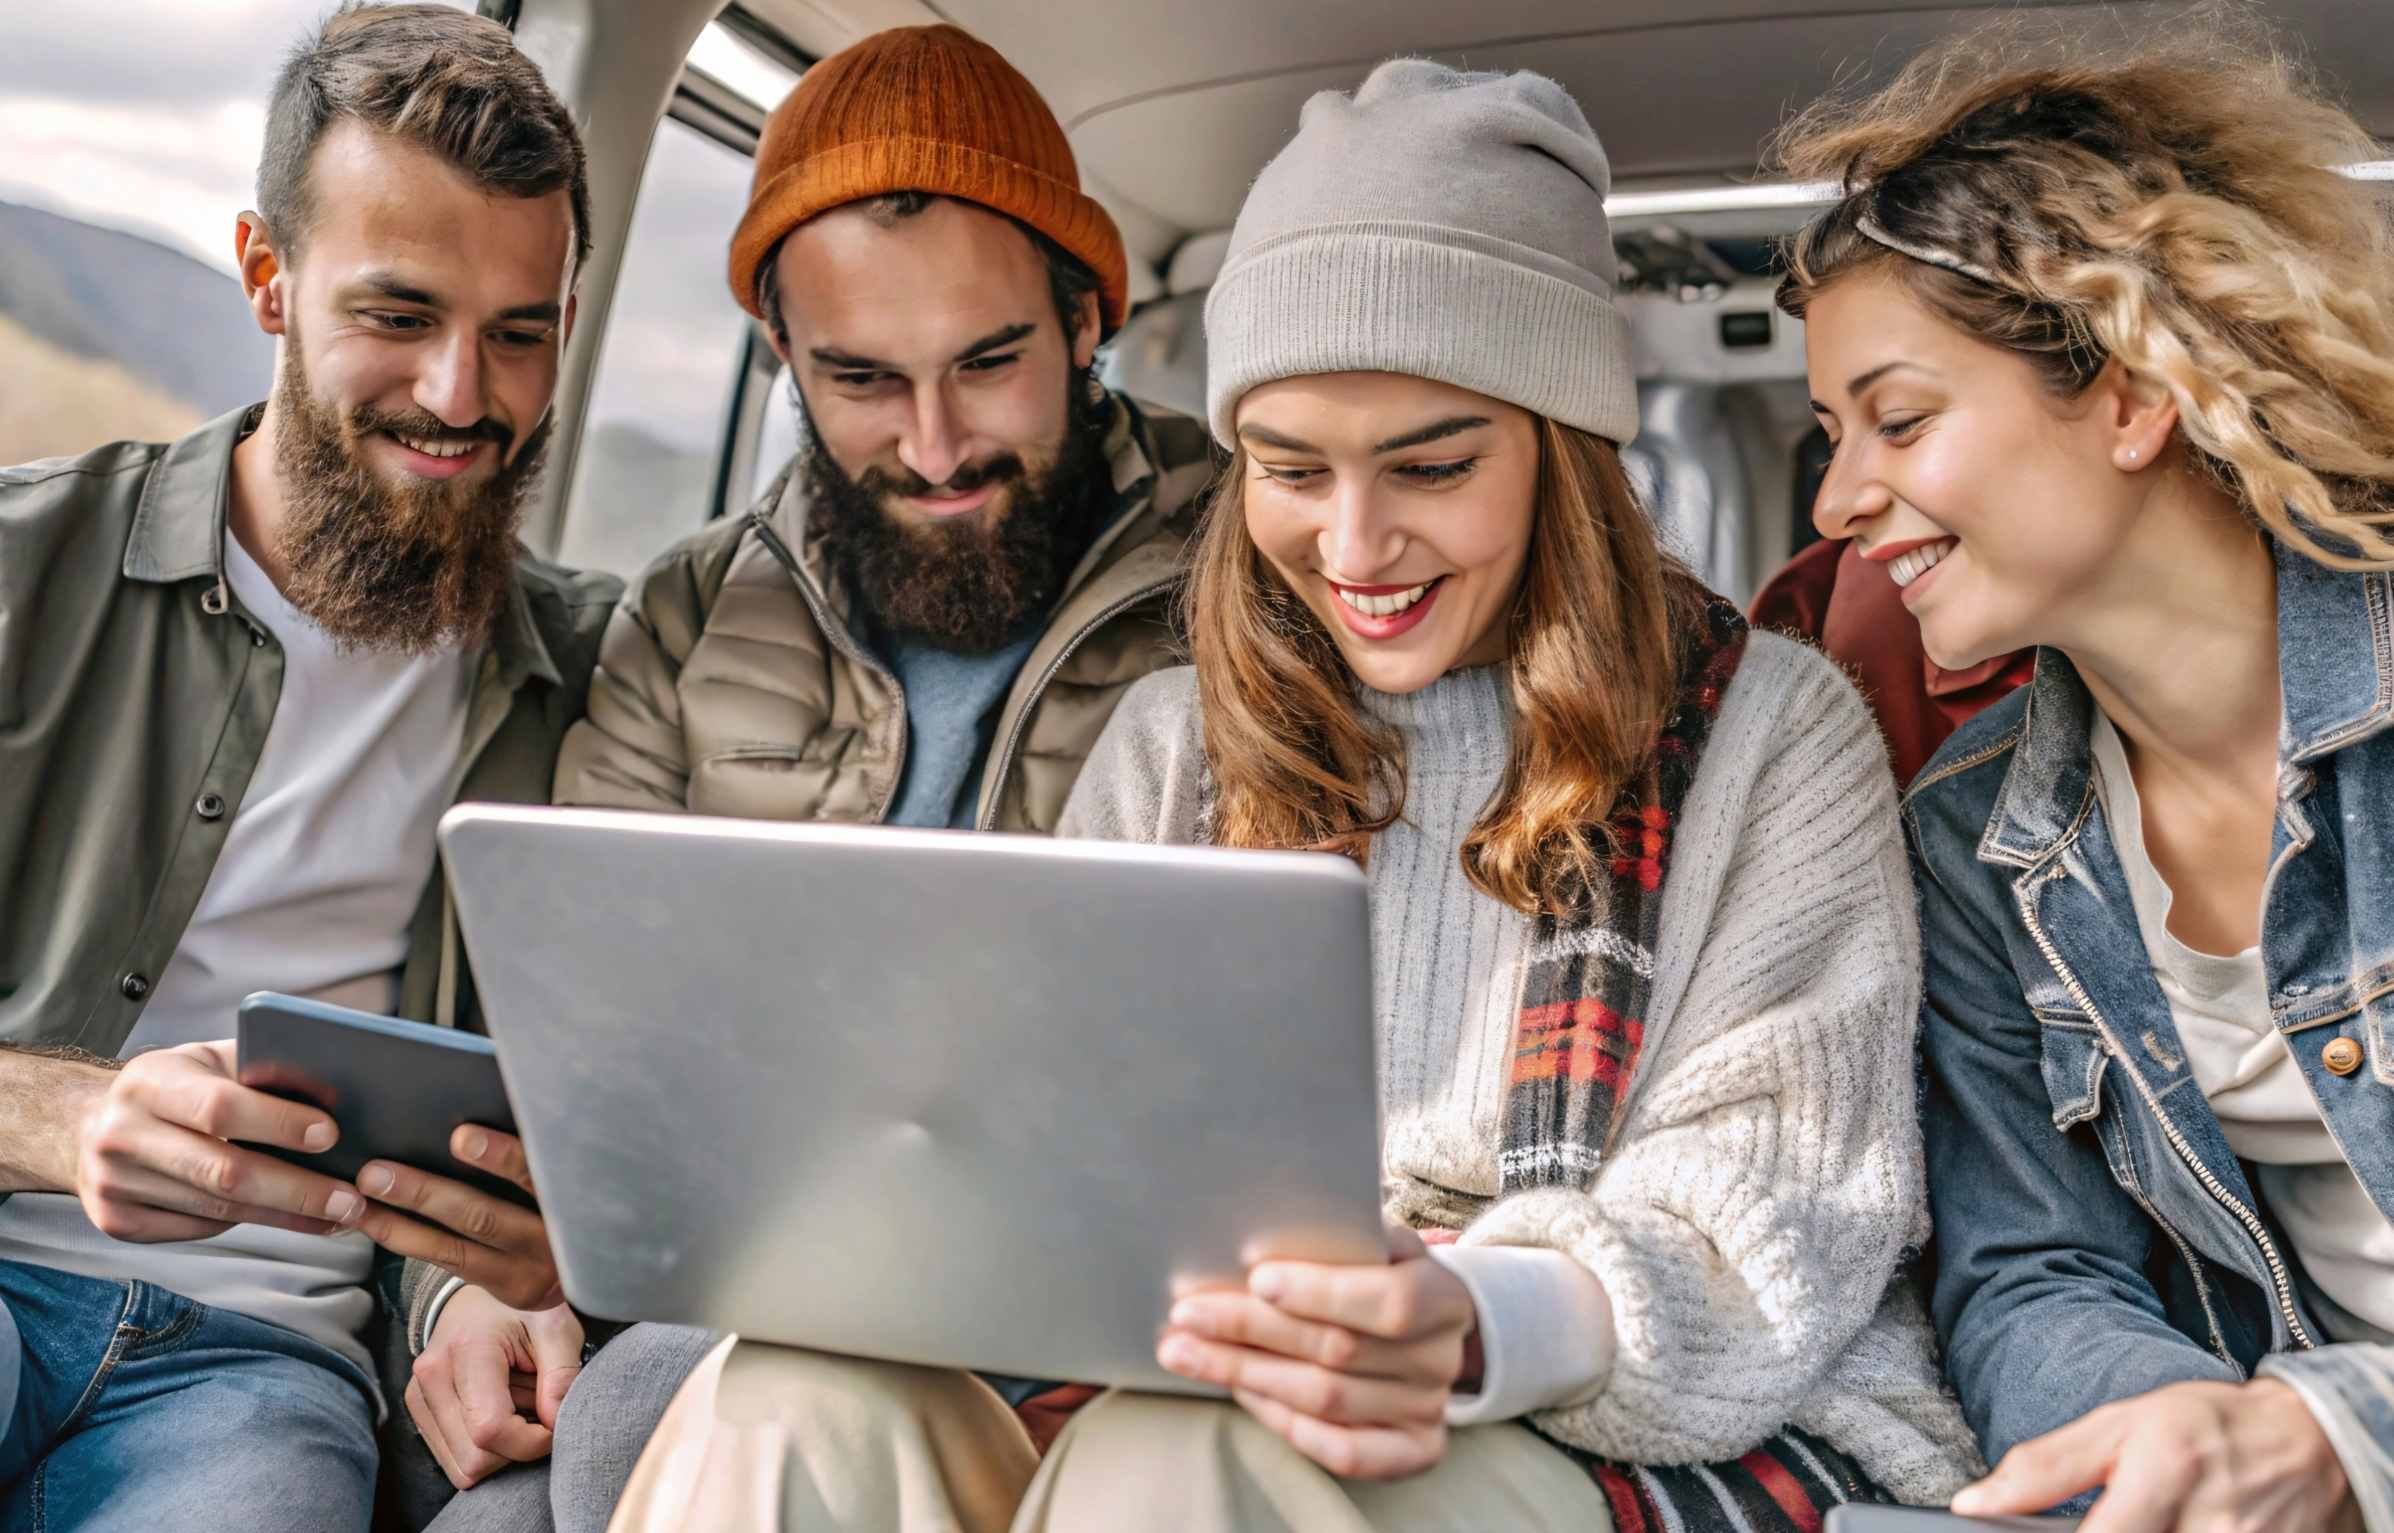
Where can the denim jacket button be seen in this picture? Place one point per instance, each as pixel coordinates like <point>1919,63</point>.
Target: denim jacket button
<point>2342,1056</point>
<point>134,986</point>
<point>210,806</point>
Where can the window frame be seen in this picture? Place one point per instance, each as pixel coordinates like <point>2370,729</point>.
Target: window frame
<point>713,110</point>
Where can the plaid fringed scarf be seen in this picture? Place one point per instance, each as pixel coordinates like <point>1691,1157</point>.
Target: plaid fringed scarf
<point>1583,1003</point>
<point>1785,1486</point>
<point>1575,1050</point>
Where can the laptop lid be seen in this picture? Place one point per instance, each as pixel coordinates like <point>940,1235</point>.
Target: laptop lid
<point>944,1097</point>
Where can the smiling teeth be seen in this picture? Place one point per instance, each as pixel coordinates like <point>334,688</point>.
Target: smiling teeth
<point>1911,565</point>
<point>432,449</point>
<point>1383,606</point>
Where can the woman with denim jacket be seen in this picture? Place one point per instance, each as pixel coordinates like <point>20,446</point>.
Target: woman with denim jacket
<point>2107,350</point>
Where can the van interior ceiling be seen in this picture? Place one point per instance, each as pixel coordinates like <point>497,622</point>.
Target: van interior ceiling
<point>1172,108</point>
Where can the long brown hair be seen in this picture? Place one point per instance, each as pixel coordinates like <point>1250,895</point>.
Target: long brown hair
<point>2172,203</point>
<point>1597,634</point>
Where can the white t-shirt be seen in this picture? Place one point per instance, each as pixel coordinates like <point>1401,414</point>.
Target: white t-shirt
<point>313,893</point>
<point>2257,1091</point>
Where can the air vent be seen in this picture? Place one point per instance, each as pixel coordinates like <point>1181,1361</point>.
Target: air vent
<point>1746,330</point>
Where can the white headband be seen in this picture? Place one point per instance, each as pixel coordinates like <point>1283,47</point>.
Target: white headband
<point>1870,227</point>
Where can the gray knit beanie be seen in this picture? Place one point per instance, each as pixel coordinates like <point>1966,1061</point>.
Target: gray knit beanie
<point>1439,224</point>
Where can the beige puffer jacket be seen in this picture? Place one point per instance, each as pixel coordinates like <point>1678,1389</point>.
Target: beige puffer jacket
<point>729,682</point>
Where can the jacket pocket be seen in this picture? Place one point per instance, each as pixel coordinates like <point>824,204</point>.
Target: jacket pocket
<point>2072,1060</point>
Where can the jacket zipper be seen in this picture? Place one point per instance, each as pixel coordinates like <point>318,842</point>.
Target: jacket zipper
<point>2219,1342</point>
<point>1022,720</point>
<point>846,644</point>
<point>2169,1129</point>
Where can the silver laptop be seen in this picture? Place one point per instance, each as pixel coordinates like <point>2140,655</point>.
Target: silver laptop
<point>942,1097</point>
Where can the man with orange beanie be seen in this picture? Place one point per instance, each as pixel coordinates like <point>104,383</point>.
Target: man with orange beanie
<point>929,618</point>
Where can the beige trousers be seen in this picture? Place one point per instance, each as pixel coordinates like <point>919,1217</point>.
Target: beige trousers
<point>776,1440</point>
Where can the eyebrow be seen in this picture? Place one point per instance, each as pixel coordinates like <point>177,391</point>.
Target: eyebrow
<point>1267,437</point>
<point>391,287</point>
<point>995,340</point>
<point>1863,381</point>
<point>1435,431</point>
<point>832,356</point>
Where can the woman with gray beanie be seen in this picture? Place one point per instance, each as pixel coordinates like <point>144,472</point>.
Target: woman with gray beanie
<point>1647,974</point>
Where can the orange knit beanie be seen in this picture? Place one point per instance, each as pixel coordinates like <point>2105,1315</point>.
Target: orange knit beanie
<point>922,109</point>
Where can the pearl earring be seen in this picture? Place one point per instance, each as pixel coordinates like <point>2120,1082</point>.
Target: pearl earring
<point>2132,455</point>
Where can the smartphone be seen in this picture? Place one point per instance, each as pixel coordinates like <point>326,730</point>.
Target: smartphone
<point>397,1089</point>
<point>1913,1519</point>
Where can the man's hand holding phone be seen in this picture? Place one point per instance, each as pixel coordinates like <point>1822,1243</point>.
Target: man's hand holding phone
<point>491,1243</point>
<point>162,1150</point>
<point>154,1157</point>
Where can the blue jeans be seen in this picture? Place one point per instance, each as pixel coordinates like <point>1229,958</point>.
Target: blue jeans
<point>125,1406</point>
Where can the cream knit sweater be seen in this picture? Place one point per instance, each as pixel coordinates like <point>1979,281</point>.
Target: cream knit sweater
<point>1748,1229</point>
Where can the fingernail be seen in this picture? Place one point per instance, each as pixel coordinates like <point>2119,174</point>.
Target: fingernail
<point>1177,1352</point>
<point>1266,1282</point>
<point>344,1206</point>
<point>1967,1498</point>
<point>477,1144</point>
<point>1186,1314</point>
<point>374,1181</point>
<point>319,1136</point>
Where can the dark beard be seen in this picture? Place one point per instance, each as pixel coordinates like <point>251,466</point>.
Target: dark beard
<point>977,584</point>
<point>399,569</point>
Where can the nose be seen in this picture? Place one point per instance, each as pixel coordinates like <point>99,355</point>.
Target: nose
<point>934,440</point>
<point>451,384</point>
<point>1850,494</point>
<point>1360,539</point>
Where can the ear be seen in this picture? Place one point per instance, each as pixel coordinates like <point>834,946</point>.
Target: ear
<point>1087,330</point>
<point>2142,416</point>
<point>779,343</point>
<point>565,321</point>
<point>262,272</point>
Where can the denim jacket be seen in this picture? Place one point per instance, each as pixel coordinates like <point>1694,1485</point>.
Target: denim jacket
<point>2096,1237</point>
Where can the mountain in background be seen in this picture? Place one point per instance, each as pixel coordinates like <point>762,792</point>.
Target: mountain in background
<point>55,404</point>
<point>176,325</point>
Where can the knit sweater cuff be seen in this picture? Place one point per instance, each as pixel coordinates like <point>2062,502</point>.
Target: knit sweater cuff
<point>1545,1326</point>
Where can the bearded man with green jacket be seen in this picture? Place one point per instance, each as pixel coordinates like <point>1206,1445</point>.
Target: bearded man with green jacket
<point>931,616</point>
<point>241,676</point>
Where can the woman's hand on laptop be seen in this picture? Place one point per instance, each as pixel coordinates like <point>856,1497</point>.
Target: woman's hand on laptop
<point>1353,1365</point>
<point>491,1243</point>
<point>483,1366</point>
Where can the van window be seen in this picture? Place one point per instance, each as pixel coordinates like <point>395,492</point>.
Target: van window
<point>132,131</point>
<point>653,432</point>
<point>777,436</point>
<point>658,434</point>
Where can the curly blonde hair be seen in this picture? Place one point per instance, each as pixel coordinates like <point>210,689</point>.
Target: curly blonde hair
<point>2174,203</point>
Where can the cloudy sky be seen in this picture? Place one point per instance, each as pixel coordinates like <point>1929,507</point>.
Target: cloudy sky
<point>145,115</point>
<point>148,116</point>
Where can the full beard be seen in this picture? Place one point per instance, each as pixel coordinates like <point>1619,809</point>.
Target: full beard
<point>973,585</point>
<point>398,568</point>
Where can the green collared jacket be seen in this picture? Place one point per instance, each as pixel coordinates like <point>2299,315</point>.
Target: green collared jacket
<point>135,696</point>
